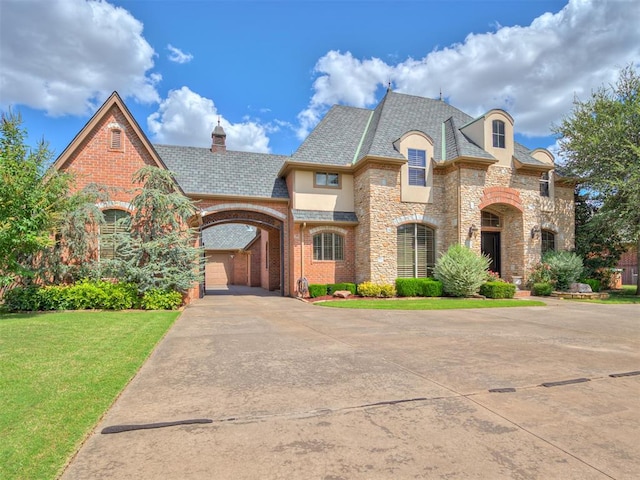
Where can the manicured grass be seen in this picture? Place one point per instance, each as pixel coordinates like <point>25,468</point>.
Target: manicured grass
<point>626,295</point>
<point>429,303</point>
<point>59,373</point>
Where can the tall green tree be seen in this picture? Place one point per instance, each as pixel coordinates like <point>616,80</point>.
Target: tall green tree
<point>159,252</point>
<point>33,200</point>
<point>600,140</point>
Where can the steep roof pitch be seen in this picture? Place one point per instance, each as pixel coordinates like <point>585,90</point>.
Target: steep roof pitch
<point>114,100</point>
<point>347,134</point>
<point>199,171</point>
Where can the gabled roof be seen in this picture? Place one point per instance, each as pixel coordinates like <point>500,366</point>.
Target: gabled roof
<point>348,134</point>
<point>114,100</point>
<point>228,236</point>
<point>199,171</point>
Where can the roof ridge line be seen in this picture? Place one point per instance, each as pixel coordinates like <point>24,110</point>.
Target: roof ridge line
<point>364,134</point>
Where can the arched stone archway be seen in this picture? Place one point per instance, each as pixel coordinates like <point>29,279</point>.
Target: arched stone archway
<point>272,247</point>
<point>502,238</point>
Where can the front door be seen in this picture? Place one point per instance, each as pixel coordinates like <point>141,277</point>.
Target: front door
<point>490,246</point>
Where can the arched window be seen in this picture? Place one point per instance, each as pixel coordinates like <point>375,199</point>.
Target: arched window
<point>490,220</point>
<point>328,246</point>
<point>416,250</point>
<point>548,241</point>
<point>110,232</point>
<point>498,134</point>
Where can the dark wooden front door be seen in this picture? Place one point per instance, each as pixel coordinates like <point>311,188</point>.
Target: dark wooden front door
<point>490,246</point>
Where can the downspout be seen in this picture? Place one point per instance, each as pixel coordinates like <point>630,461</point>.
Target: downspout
<point>304,225</point>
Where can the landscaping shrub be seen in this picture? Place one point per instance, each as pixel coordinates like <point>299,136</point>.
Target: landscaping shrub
<point>317,290</point>
<point>565,267</point>
<point>594,283</point>
<point>541,273</point>
<point>418,287</point>
<point>408,287</point>
<point>157,299</point>
<point>461,271</point>
<point>336,287</point>
<point>369,289</point>
<point>431,287</point>
<point>387,290</point>
<point>22,299</point>
<point>543,289</point>
<point>498,290</point>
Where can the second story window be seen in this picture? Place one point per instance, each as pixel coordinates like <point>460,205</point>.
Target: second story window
<point>326,179</point>
<point>544,184</point>
<point>498,134</point>
<point>417,167</point>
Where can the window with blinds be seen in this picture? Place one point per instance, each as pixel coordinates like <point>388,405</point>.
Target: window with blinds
<point>416,251</point>
<point>328,246</point>
<point>417,167</point>
<point>110,231</point>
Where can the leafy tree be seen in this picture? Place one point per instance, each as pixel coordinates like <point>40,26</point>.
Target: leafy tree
<point>596,242</point>
<point>600,141</point>
<point>158,251</point>
<point>33,201</point>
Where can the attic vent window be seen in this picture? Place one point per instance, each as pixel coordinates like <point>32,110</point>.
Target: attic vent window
<point>116,139</point>
<point>498,134</point>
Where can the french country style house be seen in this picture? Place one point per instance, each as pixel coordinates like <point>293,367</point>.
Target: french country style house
<point>370,195</point>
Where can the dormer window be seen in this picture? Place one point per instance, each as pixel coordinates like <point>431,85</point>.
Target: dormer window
<point>115,142</point>
<point>327,180</point>
<point>417,167</point>
<point>498,134</point>
<point>544,184</point>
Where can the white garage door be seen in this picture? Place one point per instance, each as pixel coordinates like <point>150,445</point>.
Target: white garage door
<point>217,270</point>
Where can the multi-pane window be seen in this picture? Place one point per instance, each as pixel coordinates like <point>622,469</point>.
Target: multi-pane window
<point>111,231</point>
<point>417,167</point>
<point>328,246</point>
<point>327,179</point>
<point>416,251</point>
<point>548,239</point>
<point>544,184</point>
<point>498,134</point>
<point>490,220</point>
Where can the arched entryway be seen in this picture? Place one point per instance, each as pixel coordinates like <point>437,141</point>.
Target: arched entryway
<point>267,251</point>
<point>502,240</point>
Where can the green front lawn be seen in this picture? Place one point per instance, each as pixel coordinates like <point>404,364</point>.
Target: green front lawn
<point>59,373</point>
<point>626,295</point>
<point>429,303</point>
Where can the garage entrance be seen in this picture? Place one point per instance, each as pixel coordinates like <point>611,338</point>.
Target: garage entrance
<point>243,248</point>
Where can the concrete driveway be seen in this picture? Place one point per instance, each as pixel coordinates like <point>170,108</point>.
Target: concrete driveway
<point>298,391</point>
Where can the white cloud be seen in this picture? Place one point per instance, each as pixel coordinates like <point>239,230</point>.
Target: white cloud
<point>67,56</point>
<point>532,71</point>
<point>186,118</point>
<point>178,56</point>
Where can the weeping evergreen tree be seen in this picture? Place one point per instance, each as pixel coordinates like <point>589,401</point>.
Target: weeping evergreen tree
<point>158,251</point>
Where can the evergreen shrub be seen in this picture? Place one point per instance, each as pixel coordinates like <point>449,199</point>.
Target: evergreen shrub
<point>317,290</point>
<point>565,267</point>
<point>461,271</point>
<point>594,283</point>
<point>543,289</point>
<point>431,287</point>
<point>387,290</point>
<point>498,290</point>
<point>369,289</point>
<point>418,287</point>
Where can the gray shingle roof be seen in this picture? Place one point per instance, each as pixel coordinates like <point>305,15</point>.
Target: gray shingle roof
<point>521,153</point>
<point>230,236</point>
<point>199,171</point>
<point>346,134</point>
<point>335,139</point>
<point>322,216</point>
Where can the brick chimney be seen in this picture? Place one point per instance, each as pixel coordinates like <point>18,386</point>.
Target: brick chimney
<point>218,139</point>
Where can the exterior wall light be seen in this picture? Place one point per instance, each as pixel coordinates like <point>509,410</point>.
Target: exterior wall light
<point>535,231</point>
<point>473,230</point>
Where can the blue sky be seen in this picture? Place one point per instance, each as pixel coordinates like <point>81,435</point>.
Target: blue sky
<point>271,69</point>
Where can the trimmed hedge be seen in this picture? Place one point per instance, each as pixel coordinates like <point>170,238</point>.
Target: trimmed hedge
<point>317,290</point>
<point>498,290</point>
<point>375,290</point>
<point>542,289</point>
<point>87,295</point>
<point>418,287</point>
